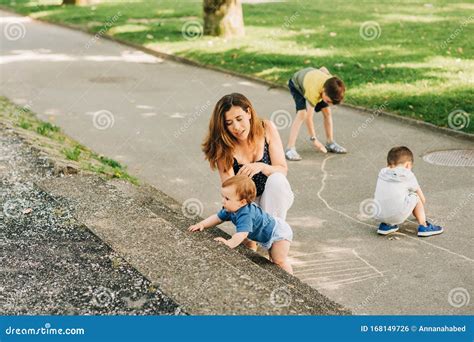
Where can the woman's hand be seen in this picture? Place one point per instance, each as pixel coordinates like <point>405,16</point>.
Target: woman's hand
<point>196,227</point>
<point>252,169</point>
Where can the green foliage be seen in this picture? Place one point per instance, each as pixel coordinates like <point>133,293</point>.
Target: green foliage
<point>72,153</point>
<point>418,64</point>
<point>24,124</point>
<point>112,163</point>
<point>46,129</point>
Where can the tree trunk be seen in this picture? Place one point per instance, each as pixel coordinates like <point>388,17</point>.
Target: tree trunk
<point>75,2</point>
<point>223,18</point>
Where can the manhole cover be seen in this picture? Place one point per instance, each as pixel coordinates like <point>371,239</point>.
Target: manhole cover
<point>451,158</point>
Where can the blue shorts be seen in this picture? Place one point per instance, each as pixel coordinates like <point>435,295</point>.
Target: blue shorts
<point>300,101</point>
<point>281,231</point>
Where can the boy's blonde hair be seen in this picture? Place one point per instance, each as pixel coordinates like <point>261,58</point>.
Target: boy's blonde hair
<point>399,155</point>
<point>244,187</point>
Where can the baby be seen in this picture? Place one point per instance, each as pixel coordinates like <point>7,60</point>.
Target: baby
<point>272,233</point>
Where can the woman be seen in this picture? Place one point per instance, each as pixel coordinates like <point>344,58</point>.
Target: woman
<point>239,142</point>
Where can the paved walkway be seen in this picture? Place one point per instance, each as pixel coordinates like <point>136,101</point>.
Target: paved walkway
<point>152,115</point>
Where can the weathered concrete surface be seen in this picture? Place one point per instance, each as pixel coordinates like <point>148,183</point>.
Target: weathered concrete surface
<point>201,275</point>
<point>161,112</point>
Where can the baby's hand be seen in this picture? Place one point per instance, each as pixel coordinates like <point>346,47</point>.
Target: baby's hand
<point>319,146</point>
<point>222,240</point>
<point>196,227</point>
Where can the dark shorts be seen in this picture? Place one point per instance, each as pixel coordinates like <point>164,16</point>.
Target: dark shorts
<point>300,101</point>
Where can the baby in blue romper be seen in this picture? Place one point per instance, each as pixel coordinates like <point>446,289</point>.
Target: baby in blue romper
<point>272,233</point>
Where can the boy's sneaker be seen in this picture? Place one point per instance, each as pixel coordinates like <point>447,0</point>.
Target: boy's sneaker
<point>334,147</point>
<point>291,154</point>
<point>429,229</point>
<point>385,229</point>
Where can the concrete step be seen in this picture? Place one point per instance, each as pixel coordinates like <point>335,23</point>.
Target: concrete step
<point>147,228</point>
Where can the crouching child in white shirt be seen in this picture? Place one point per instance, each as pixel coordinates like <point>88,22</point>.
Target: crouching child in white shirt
<point>398,195</point>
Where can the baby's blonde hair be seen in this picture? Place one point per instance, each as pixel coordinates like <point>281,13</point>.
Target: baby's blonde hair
<point>244,187</point>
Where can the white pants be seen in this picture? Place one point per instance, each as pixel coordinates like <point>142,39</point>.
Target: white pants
<point>277,197</point>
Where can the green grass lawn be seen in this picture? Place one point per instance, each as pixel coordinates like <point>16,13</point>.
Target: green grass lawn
<point>419,64</point>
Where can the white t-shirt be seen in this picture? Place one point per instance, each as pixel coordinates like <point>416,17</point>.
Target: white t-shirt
<point>394,193</point>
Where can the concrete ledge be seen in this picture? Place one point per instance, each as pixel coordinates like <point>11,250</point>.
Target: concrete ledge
<point>203,277</point>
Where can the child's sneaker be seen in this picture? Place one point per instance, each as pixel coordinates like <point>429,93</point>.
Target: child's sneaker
<point>429,229</point>
<point>291,154</point>
<point>334,147</point>
<point>385,229</point>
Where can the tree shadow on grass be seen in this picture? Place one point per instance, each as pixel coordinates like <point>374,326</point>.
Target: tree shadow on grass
<point>429,106</point>
<point>354,72</point>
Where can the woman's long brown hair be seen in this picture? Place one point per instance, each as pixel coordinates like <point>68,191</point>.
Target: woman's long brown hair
<point>219,143</point>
